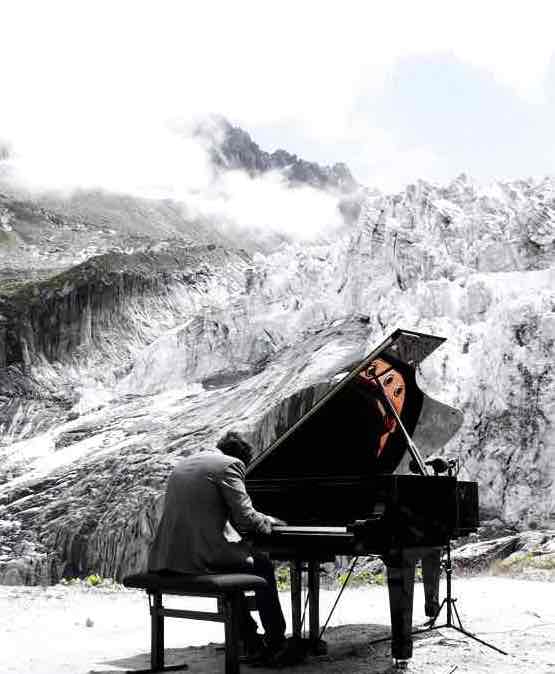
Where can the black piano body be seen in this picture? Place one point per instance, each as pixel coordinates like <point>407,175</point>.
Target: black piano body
<point>330,476</point>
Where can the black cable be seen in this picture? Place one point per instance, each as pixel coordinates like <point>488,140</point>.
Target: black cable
<point>343,586</point>
<point>304,610</point>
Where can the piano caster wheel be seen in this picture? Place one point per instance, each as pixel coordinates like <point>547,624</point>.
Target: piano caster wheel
<point>401,665</point>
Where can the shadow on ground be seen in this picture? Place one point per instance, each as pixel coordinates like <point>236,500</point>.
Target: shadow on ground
<point>348,651</point>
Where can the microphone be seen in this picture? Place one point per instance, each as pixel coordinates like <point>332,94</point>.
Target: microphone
<point>437,464</point>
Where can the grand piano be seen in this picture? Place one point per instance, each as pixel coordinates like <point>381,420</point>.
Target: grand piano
<point>338,477</point>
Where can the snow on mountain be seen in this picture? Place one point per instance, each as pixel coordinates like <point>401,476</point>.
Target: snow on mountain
<point>113,368</point>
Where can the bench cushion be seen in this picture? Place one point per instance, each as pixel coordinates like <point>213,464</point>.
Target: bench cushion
<point>217,583</point>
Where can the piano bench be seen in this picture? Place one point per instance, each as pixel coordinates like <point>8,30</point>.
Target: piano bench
<point>225,587</point>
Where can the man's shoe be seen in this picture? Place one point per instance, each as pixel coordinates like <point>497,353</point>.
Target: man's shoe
<point>292,652</point>
<point>254,647</point>
<point>266,655</point>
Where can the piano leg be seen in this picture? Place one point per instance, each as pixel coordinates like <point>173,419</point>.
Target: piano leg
<point>314,600</point>
<point>400,581</point>
<point>296,595</point>
<point>431,572</point>
<point>317,646</point>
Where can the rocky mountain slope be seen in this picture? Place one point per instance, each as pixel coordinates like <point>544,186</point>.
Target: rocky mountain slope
<point>149,347</point>
<point>232,148</point>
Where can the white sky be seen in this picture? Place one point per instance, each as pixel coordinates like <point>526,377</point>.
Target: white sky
<point>397,90</point>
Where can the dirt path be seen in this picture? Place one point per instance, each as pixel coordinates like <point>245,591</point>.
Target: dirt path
<point>71,630</point>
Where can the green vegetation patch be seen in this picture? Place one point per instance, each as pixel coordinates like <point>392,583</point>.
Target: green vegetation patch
<point>283,578</point>
<point>93,581</point>
<point>10,286</point>
<point>7,239</point>
<point>362,577</point>
<point>525,561</point>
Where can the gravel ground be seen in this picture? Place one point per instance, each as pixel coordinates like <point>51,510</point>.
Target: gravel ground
<point>79,630</point>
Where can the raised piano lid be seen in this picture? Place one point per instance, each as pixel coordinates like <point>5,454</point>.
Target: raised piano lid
<point>349,431</point>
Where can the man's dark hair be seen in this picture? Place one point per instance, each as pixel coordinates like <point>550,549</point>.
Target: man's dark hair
<point>232,444</point>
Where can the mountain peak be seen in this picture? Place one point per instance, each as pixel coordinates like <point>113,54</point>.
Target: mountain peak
<point>232,148</point>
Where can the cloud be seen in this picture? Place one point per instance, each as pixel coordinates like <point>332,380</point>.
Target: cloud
<point>171,162</point>
<point>267,204</point>
<point>93,80</point>
<point>150,161</point>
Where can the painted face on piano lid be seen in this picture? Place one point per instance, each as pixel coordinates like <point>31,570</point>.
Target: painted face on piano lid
<point>393,384</point>
<point>391,380</point>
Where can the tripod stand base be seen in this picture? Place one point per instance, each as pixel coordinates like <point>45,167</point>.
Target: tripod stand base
<point>462,631</point>
<point>451,608</point>
<point>449,602</point>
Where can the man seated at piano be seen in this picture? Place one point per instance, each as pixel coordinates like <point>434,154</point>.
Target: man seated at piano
<point>206,504</point>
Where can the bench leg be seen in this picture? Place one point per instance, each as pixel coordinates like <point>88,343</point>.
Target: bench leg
<point>156,634</point>
<point>232,608</point>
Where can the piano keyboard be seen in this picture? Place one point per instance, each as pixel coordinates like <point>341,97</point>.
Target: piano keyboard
<point>284,529</point>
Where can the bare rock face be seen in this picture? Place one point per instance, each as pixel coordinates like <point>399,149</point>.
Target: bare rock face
<point>233,148</point>
<point>113,369</point>
<point>530,554</point>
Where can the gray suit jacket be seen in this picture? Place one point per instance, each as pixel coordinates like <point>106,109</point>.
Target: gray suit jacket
<point>205,492</point>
